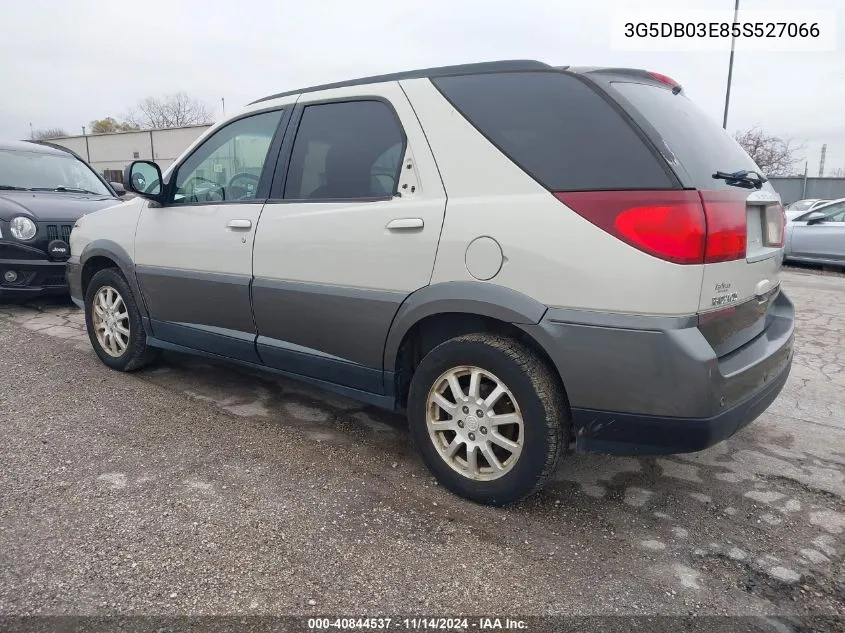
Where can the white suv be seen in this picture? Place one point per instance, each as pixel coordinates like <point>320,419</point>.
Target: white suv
<point>522,257</point>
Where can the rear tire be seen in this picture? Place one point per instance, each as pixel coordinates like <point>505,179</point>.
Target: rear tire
<point>499,439</point>
<point>114,323</point>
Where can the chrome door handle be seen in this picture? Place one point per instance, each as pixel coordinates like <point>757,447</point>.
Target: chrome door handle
<point>405,223</point>
<point>239,224</point>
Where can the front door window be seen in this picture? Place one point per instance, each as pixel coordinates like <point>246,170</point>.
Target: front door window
<point>227,167</point>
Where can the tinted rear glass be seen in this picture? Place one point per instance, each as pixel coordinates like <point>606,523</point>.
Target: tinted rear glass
<point>345,150</point>
<point>689,139</point>
<point>558,129</point>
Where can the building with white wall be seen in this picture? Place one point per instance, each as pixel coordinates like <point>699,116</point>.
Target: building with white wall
<point>112,152</point>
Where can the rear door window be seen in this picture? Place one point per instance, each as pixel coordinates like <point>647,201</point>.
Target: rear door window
<point>558,129</point>
<point>687,138</point>
<point>346,150</point>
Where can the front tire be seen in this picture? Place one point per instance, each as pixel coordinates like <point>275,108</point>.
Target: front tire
<point>489,417</point>
<point>114,322</point>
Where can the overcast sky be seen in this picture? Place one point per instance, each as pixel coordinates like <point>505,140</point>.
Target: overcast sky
<point>63,64</point>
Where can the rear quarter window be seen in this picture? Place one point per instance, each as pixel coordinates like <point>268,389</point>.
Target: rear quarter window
<point>558,129</point>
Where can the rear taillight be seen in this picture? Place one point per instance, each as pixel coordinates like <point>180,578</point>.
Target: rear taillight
<point>683,227</point>
<point>667,224</point>
<point>775,219</point>
<point>726,225</point>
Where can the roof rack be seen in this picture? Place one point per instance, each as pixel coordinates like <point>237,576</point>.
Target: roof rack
<point>511,65</point>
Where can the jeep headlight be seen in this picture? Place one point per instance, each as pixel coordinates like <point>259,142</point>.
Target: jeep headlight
<point>23,228</point>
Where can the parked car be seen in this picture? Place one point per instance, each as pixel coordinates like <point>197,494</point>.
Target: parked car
<point>521,257</point>
<point>43,190</point>
<point>818,236</point>
<point>802,206</point>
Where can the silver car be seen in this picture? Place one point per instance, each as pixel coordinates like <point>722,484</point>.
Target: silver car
<point>818,236</point>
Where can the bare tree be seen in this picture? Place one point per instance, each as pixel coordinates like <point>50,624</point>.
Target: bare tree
<point>839,172</point>
<point>50,132</point>
<point>109,125</point>
<point>774,155</point>
<point>174,110</point>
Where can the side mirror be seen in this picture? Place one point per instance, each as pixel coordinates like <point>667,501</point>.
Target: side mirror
<point>118,189</point>
<point>816,217</point>
<point>144,178</point>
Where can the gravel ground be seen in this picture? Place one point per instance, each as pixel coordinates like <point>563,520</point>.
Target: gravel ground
<point>196,488</point>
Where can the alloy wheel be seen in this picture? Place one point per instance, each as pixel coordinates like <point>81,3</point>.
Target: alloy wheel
<point>111,321</point>
<point>475,423</point>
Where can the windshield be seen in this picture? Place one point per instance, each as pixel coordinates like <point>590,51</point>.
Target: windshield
<point>801,205</point>
<point>38,170</point>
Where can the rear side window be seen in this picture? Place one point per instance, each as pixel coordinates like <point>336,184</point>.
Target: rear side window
<point>346,150</point>
<point>558,129</point>
<point>688,138</point>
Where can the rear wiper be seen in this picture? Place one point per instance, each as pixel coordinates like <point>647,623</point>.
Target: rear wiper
<point>743,178</point>
<point>12,188</point>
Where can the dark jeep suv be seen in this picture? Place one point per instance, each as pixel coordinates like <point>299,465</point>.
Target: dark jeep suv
<point>44,189</point>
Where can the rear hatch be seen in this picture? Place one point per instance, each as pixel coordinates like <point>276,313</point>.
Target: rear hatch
<point>744,232</point>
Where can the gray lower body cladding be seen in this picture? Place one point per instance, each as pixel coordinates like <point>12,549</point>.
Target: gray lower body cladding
<point>639,385</point>
<point>332,334</point>
<point>636,385</point>
<point>349,324</point>
<point>73,273</point>
<point>215,300</point>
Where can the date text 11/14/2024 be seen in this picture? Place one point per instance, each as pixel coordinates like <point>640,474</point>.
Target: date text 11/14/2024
<point>417,623</point>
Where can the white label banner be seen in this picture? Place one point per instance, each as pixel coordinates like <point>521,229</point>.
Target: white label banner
<point>672,29</point>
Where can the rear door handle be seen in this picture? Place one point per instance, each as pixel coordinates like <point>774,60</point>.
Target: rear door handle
<point>400,224</point>
<point>239,224</point>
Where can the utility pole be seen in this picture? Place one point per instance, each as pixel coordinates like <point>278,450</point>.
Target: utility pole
<point>821,161</point>
<point>87,149</point>
<point>730,70</point>
<point>223,101</point>
<point>804,186</point>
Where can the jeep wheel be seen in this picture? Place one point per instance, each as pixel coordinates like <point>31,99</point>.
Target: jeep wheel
<point>114,322</point>
<point>488,416</point>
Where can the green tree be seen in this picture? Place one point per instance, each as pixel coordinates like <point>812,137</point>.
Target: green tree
<point>110,125</point>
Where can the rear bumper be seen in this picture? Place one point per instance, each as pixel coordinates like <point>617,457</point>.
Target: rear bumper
<point>652,385</point>
<point>632,434</point>
<point>34,278</point>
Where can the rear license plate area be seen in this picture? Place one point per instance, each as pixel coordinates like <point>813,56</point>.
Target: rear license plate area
<point>754,241</point>
<point>764,230</point>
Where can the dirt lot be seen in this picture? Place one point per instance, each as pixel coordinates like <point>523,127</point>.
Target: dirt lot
<point>198,488</point>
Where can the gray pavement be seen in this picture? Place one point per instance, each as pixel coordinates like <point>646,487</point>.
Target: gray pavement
<point>198,488</point>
